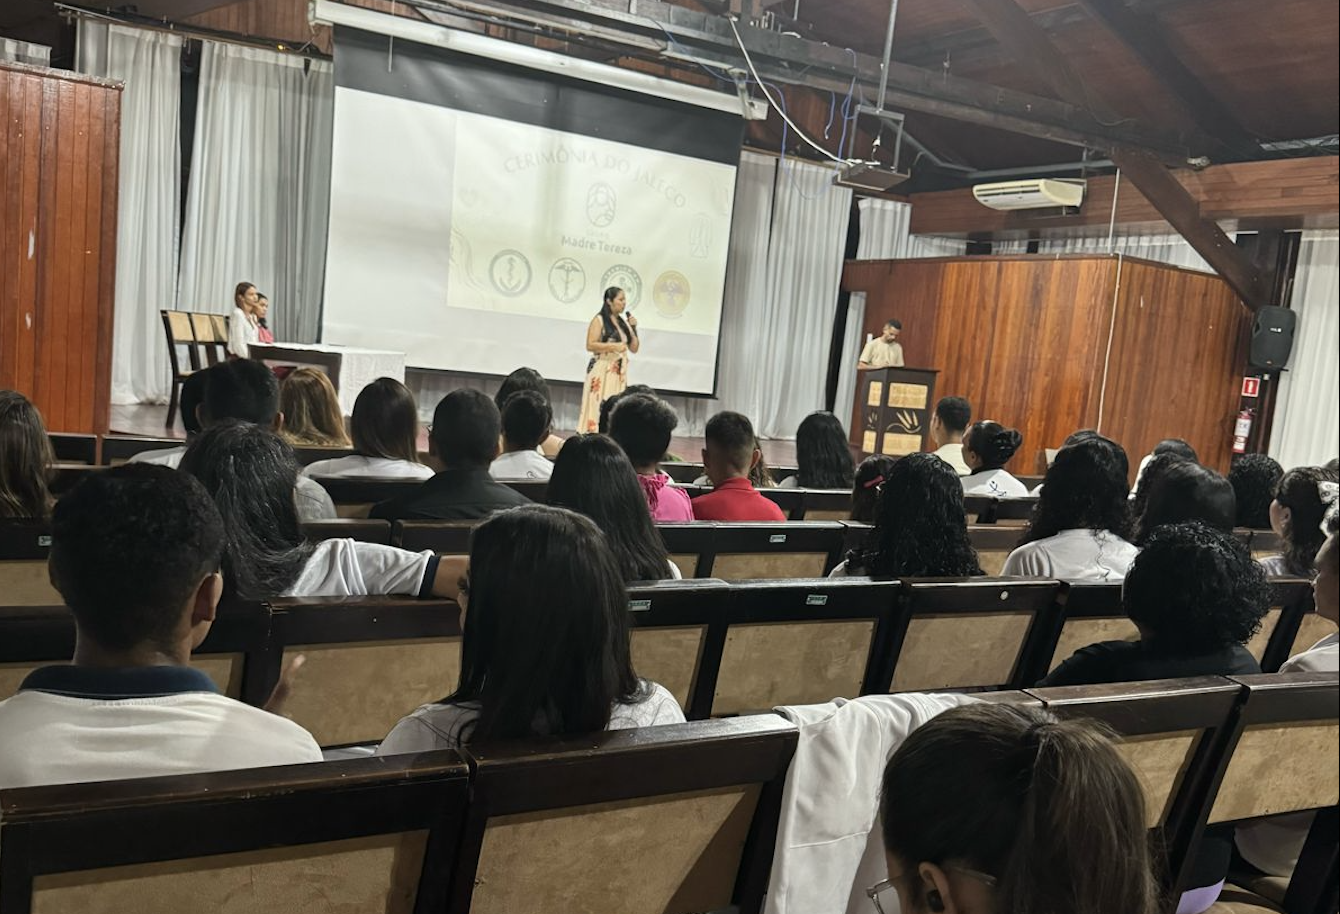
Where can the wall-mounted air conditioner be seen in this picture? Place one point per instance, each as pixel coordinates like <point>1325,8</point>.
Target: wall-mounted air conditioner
<point>1035,193</point>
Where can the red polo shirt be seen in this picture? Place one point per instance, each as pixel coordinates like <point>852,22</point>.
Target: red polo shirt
<point>736,499</point>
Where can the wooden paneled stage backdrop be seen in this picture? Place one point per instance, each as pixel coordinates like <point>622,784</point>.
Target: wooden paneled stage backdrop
<point>59,148</point>
<point>1026,340</point>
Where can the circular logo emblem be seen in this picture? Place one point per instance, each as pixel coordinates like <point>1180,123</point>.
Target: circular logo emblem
<point>626,278</point>
<point>671,293</point>
<point>700,236</point>
<point>601,204</point>
<point>509,271</point>
<point>567,280</point>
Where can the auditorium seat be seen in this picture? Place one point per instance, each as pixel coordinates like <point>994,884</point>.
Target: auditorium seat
<point>362,529</point>
<point>1087,613</point>
<point>677,818</point>
<point>24,581</point>
<point>308,455</point>
<point>749,551</point>
<point>373,835</point>
<point>117,449</point>
<point>1264,542</point>
<point>993,544</point>
<point>211,336</point>
<point>1291,618</point>
<point>73,448</point>
<point>985,509</point>
<point>355,496</point>
<point>178,333</point>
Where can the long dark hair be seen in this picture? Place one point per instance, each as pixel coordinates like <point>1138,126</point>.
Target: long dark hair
<point>385,422</point>
<point>992,442</point>
<point>1047,807</point>
<point>823,459</point>
<point>920,526</point>
<point>870,475</point>
<point>532,665</point>
<point>311,408</point>
<point>1158,465</point>
<point>1085,489</point>
<point>1187,492</point>
<point>1299,490</point>
<point>25,459</point>
<point>594,477</point>
<point>611,320</point>
<point>250,473</point>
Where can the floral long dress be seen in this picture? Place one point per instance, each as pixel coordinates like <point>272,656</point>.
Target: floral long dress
<point>606,375</point>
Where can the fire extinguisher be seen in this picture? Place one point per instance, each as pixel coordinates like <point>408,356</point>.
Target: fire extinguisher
<point>1242,429</point>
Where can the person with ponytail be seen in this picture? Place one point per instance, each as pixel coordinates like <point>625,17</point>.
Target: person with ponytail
<point>609,338</point>
<point>999,809</point>
<point>987,447</point>
<point>1302,498</point>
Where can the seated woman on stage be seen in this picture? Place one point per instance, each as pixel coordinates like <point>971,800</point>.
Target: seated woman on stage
<point>250,472</point>
<point>385,431</point>
<point>1301,501</point>
<point>642,426</point>
<point>609,339</point>
<point>987,447</point>
<point>920,527</point>
<point>311,410</point>
<point>526,668</point>
<point>262,324</point>
<point>25,460</point>
<point>244,325</point>
<point>594,477</point>
<point>529,379</point>
<point>823,458</point>
<point>1082,523</point>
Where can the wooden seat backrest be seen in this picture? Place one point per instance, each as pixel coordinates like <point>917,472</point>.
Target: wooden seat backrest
<point>1262,542</point>
<point>1088,613</point>
<point>791,501</point>
<point>361,529</point>
<point>678,629</point>
<point>746,551</point>
<point>309,455</point>
<point>675,818</point>
<point>993,544</point>
<point>825,504</point>
<point>690,546</point>
<point>1291,606</point>
<point>443,537</point>
<point>370,661</point>
<point>208,339</point>
<point>117,449</point>
<point>986,509</point>
<point>339,836</point>
<point>24,546</point>
<point>74,448</point>
<point>966,633</point>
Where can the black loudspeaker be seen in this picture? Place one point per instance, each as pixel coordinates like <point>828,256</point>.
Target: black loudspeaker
<point>1272,337</point>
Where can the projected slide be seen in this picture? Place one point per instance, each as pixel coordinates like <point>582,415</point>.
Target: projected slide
<point>479,237</point>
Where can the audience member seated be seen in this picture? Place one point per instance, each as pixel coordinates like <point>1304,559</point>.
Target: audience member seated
<point>593,477</point>
<point>246,390</point>
<point>760,476</point>
<point>311,409</point>
<point>732,451</point>
<point>1175,446</point>
<point>870,476</point>
<point>25,459</point>
<point>385,432</point>
<point>607,405</point>
<point>823,457</point>
<point>920,528</point>
<point>987,447</point>
<point>948,423</point>
<point>1302,499</point>
<point>526,421</point>
<point>135,554</point>
<point>1272,846</point>
<point>1082,523</point>
<point>996,808</point>
<point>1196,597</point>
<point>244,325</point>
<point>545,649</point>
<point>250,473</point>
<point>464,438</point>
<point>1254,478</point>
<point>642,426</point>
<point>1150,473</point>
<point>1187,492</point>
<point>529,379</point>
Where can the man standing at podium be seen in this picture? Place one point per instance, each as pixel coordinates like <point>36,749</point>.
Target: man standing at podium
<point>883,351</point>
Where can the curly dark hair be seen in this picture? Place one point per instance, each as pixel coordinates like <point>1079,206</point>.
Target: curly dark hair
<point>823,458</point>
<point>920,528</point>
<point>1194,590</point>
<point>1085,489</point>
<point>1254,477</point>
<point>1299,490</point>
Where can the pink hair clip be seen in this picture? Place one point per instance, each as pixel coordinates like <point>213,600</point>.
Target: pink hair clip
<point>870,484</point>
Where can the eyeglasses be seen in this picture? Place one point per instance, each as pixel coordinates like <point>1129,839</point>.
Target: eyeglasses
<point>881,888</point>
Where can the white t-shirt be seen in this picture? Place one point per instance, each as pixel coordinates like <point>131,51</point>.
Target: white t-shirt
<point>521,465</point>
<point>995,483</point>
<point>356,465</point>
<point>53,738</point>
<point>439,726</point>
<point>241,334</point>
<point>167,457</point>
<point>350,568</point>
<point>952,454</point>
<point>1073,555</point>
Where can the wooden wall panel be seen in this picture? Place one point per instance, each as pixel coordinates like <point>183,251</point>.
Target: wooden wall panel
<point>59,168</point>
<point>1025,340</point>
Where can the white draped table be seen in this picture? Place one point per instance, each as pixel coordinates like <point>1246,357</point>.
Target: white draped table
<point>350,369</point>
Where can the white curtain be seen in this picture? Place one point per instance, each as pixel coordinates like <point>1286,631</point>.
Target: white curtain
<point>260,185</point>
<point>1306,431</point>
<point>885,235</point>
<point>38,55</point>
<point>1171,249</point>
<point>149,197</point>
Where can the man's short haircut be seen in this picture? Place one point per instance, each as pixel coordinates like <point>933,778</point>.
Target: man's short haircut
<point>894,323</point>
<point>466,426</point>
<point>241,389</point>
<point>526,418</point>
<point>955,413</point>
<point>733,436</point>
<point>129,547</point>
<point>607,406</point>
<point>642,425</point>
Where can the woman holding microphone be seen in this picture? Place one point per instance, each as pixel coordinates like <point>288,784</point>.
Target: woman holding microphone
<point>609,338</point>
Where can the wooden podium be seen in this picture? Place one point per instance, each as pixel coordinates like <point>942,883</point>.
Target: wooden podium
<point>893,411</point>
